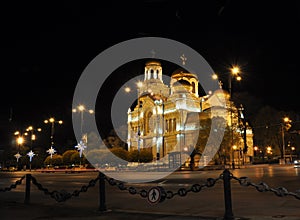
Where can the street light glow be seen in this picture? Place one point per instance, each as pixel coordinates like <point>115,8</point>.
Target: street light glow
<point>286,119</point>
<point>235,70</point>
<point>81,108</point>
<point>127,89</point>
<point>139,84</point>
<point>214,76</point>
<point>20,140</point>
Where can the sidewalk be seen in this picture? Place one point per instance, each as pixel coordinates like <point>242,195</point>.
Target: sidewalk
<point>34,211</point>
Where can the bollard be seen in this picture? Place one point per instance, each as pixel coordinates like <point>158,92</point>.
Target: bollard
<point>102,206</point>
<point>227,195</point>
<point>27,189</point>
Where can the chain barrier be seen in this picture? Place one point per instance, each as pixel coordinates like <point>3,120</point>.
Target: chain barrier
<point>210,182</point>
<point>61,196</point>
<point>13,186</point>
<point>263,187</point>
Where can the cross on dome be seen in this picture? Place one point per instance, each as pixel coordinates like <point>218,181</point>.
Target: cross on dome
<point>220,84</point>
<point>183,58</point>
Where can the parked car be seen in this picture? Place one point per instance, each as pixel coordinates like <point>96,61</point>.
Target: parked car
<point>297,163</point>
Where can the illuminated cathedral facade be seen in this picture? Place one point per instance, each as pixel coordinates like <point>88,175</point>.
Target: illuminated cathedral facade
<point>166,118</point>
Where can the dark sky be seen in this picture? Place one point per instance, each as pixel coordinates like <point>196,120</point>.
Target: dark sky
<point>45,46</point>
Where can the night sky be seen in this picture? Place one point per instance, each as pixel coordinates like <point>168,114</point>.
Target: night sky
<point>46,45</point>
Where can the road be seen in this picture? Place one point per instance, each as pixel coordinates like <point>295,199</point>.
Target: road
<point>209,201</point>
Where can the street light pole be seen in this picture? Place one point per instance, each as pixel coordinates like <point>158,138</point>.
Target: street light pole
<point>20,141</point>
<point>286,122</point>
<point>234,73</point>
<point>32,139</point>
<point>234,147</point>
<point>52,121</point>
<point>235,70</point>
<point>283,143</point>
<point>81,109</point>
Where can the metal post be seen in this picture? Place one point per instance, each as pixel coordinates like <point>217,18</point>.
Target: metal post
<point>231,120</point>
<point>283,143</point>
<point>102,206</point>
<point>27,189</point>
<point>52,133</point>
<point>233,163</point>
<point>227,195</point>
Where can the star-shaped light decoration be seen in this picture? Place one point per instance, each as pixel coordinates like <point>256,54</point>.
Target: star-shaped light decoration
<point>80,147</point>
<point>51,151</point>
<point>18,155</point>
<point>30,154</point>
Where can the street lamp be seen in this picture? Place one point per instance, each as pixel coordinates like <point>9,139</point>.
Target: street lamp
<point>20,141</point>
<point>31,130</point>
<point>233,74</point>
<point>234,147</point>
<point>284,126</point>
<point>81,109</point>
<point>52,121</point>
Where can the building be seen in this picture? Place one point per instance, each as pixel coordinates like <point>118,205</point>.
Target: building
<point>167,119</point>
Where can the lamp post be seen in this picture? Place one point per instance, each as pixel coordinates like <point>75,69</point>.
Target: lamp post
<point>233,74</point>
<point>31,130</point>
<point>234,147</point>
<point>52,121</point>
<point>20,141</point>
<point>82,109</point>
<point>284,126</point>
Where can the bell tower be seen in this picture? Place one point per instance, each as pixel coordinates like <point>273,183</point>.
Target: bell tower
<point>153,70</point>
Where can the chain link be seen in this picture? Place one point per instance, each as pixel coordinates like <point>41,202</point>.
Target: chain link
<point>210,182</point>
<point>263,187</point>
<point>61,196</point>
<point>13,186</point>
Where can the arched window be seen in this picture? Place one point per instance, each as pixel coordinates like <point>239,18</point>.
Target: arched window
<point>147,122</point>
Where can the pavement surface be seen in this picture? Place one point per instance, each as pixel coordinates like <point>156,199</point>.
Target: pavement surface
<point>41,208</point>
<point>59,211</point>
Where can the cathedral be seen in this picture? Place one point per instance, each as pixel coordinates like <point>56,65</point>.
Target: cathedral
<point>167,118</point>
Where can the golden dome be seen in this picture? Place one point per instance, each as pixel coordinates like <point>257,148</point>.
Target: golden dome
<point>222,92</point>
<point>180,73</point>
<point>153,63</point>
